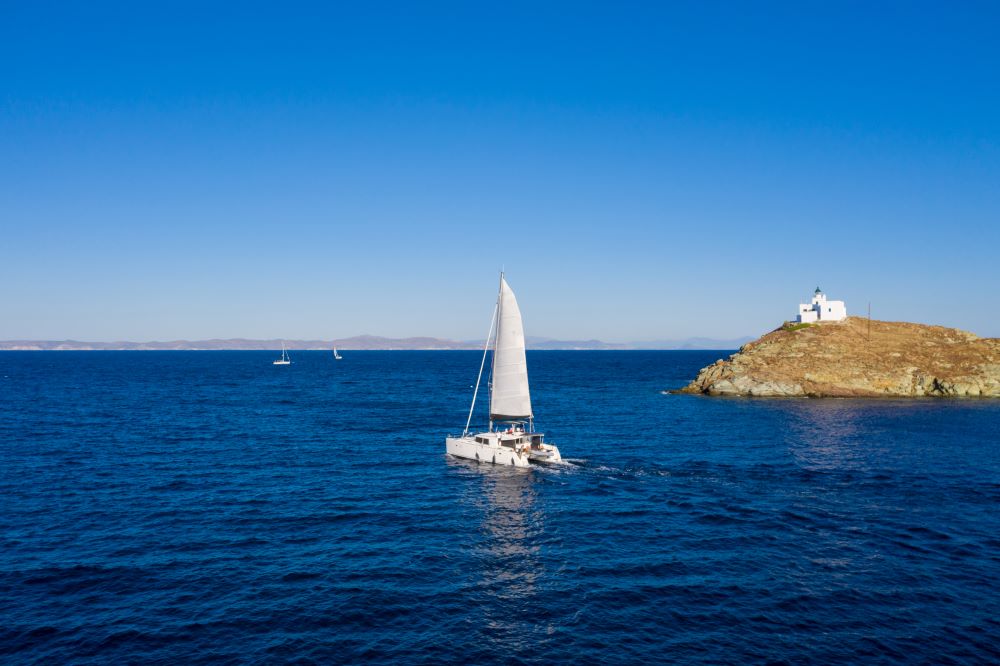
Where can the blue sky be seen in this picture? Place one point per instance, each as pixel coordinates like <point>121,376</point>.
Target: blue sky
<point>642,171</point>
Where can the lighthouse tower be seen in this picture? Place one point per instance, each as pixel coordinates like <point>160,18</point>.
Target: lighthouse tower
<point>821,309</point>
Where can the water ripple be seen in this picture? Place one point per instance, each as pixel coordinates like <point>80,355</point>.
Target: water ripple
<point>203,508</point>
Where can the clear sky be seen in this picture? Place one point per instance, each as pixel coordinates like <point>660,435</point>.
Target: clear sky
<point>642,171</point>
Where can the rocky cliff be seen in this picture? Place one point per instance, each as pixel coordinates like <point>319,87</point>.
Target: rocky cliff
<point>840,359</point>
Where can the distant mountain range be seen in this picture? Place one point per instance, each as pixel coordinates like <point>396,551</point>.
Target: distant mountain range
<point>359,342</point>
<point>686,343</point>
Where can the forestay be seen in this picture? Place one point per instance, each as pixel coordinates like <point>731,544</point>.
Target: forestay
<point>510,399</point>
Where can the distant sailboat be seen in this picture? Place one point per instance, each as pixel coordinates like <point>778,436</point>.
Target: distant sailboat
<point>336,355</point>
<point>510,400</point>
<point>284,360</point>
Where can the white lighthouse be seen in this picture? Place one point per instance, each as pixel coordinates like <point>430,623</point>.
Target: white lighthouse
<point>821,309</point>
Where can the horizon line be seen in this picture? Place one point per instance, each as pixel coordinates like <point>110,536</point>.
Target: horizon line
<point>359,343</point>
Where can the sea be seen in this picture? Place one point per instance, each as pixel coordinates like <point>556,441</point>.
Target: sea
<point>211,508</point>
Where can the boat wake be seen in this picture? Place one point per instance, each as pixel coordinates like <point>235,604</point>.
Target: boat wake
<point>575,462</point>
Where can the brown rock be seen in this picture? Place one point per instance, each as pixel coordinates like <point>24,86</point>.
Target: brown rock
<point>839,359</point>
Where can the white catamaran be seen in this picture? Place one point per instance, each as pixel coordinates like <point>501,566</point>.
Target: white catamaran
<point>284,360</point>
<point>511,438</point>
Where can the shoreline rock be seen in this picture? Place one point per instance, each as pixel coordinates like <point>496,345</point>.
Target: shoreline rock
<point>839,359</point>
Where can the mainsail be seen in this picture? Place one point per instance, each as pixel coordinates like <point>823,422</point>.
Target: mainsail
<point>510,400</point>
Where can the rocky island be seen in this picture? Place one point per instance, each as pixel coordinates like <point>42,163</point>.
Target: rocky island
<point>856,357</point>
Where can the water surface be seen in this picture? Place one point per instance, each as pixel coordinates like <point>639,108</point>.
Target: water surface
<point>172,507</point>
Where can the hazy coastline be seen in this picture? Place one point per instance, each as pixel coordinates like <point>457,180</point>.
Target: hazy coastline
<point>357,343</point>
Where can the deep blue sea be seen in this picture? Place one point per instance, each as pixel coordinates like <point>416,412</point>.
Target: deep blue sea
<point>208,507</point>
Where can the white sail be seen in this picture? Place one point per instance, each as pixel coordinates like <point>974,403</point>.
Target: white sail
<point>510,399</point>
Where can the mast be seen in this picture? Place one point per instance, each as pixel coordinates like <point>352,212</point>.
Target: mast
<point>496,338</point>
<point>482,364</point>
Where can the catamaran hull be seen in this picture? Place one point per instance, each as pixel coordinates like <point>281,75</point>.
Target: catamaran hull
<point>466,447</point>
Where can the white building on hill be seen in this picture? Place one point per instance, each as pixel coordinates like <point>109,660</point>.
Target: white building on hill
<point>821,309</point>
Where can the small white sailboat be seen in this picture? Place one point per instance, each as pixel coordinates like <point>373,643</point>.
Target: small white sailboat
<point>284,360</point>
<point>511,438</point>
<point>336,356</point>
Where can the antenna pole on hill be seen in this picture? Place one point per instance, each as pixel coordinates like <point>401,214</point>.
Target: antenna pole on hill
<point>869,321</point>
